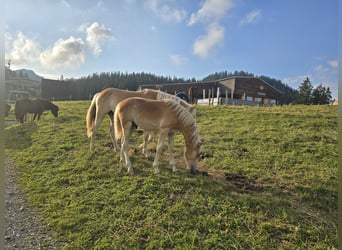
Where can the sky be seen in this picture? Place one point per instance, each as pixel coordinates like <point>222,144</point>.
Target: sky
<point>285,40</point>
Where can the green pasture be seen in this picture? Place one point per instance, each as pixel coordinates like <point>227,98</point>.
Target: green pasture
<point>271,183</point>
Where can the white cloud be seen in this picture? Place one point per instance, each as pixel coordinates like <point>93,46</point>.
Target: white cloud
<point>211,10</point>
<point>206,44</point>
<point>251,17</point>
<point>333,64</point>
<point>68,53</point>
<point>65,53</point>
<point>320,68</point>
<point>165,12</point>
<point>178,59</point>
<point>97,35</point>
<point>295,81</point>
<point>21,50</point>
<point>328,67</point>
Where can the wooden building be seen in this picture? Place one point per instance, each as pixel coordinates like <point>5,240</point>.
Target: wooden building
<point>55,90</point>
<point>233,90</point>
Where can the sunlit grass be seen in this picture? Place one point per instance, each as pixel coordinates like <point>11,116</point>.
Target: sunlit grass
<point>272,183</point>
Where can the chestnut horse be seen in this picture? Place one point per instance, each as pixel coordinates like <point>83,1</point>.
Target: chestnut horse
<point>157,115</point>
<point>105,102</point>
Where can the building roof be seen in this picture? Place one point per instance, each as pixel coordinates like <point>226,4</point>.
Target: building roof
<point>247,84</point>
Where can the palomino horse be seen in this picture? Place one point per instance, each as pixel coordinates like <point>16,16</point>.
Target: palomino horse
<point>36,107</point>
<point>157,115</point>
<point>105,102</point>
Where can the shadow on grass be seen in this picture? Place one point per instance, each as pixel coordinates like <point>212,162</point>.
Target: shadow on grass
<point>19,137</point>
<point>65,119</point>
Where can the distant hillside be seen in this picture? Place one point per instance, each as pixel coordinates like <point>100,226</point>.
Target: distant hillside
<point>22,73</point>
<point>289,93</point>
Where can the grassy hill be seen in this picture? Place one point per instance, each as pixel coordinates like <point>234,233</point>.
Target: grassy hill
<point>272,182</point>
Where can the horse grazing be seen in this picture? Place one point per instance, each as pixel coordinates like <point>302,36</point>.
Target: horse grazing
<point>105,102</point>
<point>36,107</point>
<point>157,115</point>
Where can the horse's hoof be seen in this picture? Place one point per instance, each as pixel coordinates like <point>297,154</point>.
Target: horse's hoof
<point>194,171</point>
<point>156,171</point>
<point>130,171</point>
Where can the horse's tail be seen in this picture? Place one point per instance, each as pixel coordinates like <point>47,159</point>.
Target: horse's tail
<point>91,114</point>
<point>117,124</point>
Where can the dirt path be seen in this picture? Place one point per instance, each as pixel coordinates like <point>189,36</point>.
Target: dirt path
<point>24,228</point>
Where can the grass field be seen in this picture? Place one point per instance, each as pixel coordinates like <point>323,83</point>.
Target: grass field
<point>272,182</point>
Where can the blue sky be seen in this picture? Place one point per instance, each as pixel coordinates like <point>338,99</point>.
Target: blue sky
<point>286,40</point>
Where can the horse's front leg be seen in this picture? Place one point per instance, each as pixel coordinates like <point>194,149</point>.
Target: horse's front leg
<point>159,150</point>
<point>34,116</point>
<point>171,156</point>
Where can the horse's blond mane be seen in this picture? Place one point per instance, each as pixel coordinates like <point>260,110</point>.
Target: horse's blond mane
<point>186,119</point>
<point>162,95</point>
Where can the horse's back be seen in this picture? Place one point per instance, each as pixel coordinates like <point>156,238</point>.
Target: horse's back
<point>22,105</point>
<point>150,114</point>
<point>30,106</point>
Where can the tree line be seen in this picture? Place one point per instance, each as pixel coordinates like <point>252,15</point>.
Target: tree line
<point>84,87</point>
<point>307,94</point>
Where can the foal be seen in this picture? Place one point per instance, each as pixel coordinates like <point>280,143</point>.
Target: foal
<point>157,115</point>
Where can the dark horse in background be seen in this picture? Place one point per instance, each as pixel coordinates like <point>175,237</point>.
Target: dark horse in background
<point>36,107</point>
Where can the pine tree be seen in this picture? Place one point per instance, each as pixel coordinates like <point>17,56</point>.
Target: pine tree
<point>304,92</point>
<point>321,95</point>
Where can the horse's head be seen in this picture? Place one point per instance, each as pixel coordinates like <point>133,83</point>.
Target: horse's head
<point>54,111</point>
<point>192,155</point>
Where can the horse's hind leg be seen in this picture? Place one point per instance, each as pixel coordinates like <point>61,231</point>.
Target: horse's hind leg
<point>127,130</point>
<point>111,131</point>
<point>98,119</point>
